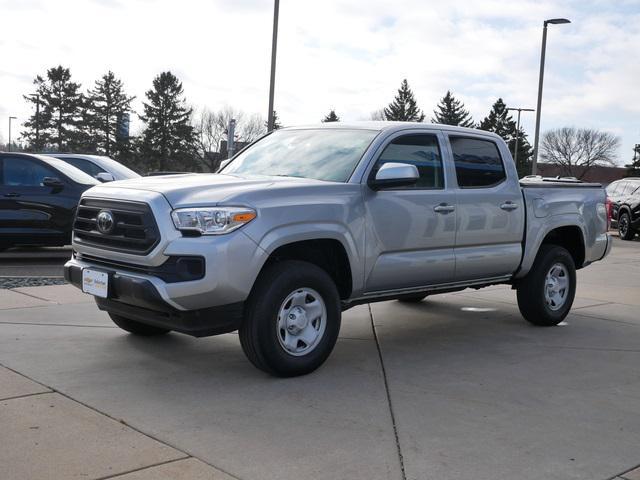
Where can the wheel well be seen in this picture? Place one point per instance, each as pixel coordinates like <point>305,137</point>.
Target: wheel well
<point>328,254</point>
<point>569,237</point>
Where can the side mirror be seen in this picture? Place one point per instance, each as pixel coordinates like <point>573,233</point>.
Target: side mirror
<point>105,177</point>
<point>391,175</point>
<point>53,182</point>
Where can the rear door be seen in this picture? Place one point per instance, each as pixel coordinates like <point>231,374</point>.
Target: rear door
<point>490,215</point>
<point>411,230</point>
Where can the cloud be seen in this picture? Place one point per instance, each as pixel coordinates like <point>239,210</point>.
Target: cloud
<point>342,54</point>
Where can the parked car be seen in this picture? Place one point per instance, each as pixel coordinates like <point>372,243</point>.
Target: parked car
<point>624,196</point>
<point>38,198</point>
<point>308,222</point>
<point>100,167</point>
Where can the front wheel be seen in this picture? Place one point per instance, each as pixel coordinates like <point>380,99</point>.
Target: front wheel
<point>546,294</point>
<point>292,319</point>
<point>624,227</point>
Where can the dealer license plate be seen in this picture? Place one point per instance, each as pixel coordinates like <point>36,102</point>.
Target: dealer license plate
<point>95,283</point>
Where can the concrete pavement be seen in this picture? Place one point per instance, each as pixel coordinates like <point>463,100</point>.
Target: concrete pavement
<point>457,387</point>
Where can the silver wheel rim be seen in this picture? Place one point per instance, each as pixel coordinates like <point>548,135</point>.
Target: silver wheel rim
<point>556,286</point>
<point>624,226</point>
<point>302,320</point>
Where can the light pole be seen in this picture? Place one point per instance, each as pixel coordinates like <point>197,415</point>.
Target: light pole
<point>10,118</point>
<point>515,150</point>
<point>274,44</point>
<point>552,21</point>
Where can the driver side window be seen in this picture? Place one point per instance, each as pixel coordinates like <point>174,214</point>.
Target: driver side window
<point>421,150</point>
<point>24,172</point>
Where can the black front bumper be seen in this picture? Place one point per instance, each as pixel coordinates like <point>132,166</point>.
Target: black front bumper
<point>137,299</point>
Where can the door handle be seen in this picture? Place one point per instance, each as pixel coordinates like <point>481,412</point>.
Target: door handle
<point>444,208</point>
<point>12,194</point>
<point>508,206</point>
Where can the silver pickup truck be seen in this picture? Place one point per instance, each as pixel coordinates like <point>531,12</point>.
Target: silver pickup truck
<point>310,221</point>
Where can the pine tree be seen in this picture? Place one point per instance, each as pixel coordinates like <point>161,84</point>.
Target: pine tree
<point>168,141</point>
<point>499,121</point>
<point>276,122</point>
<point>107,104</point>
<point>331,117</point>
<point>404,107</point>
<point>633,170</point>
<point>59,121</point>
<point>452,112</point>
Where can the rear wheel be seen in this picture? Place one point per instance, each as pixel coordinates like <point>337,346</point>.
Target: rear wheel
<point>292,319</point>
<point>624,227</point>
<point>412,297</point>
<point>137,328</point>
<point>546,294</point>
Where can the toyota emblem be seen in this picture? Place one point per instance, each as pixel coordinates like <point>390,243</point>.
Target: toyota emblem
<point>105,222</point>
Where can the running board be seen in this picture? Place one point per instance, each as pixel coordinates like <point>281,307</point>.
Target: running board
<point>382,295</point>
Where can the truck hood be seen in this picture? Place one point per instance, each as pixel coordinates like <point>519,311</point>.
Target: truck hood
<point>200,189</point>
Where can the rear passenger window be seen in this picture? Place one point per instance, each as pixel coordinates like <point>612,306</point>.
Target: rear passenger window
<point>478,162</point>
<point>421,150</point>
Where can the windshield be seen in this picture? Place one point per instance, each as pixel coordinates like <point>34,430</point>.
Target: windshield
<point>321,154</point>
<point>70,171</point>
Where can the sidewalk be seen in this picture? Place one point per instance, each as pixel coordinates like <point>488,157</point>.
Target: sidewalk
<point>456,388</point>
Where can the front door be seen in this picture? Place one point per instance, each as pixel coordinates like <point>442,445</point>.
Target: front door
<point>411,230</point>
<point>30,212</point>
<point>490,220</point>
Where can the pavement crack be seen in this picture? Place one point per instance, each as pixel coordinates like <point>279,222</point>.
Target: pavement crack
<point>388,393</point>
<point>127,424</point>
<point>24,396</point>
<point>121,474</point>
<point>56,324</point>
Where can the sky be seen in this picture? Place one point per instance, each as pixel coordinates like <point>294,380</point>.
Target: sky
<point>349,55</point>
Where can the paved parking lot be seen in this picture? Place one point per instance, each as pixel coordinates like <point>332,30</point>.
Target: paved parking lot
<point>458,387</point>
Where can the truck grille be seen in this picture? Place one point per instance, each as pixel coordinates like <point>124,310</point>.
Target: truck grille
<point>133,229</point>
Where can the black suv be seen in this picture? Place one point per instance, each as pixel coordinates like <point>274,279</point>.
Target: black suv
<point>625,206</point>
<point>38,199</point>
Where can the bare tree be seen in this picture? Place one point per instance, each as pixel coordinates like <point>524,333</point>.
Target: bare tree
<point>212,129</point>
<point>378,115</point>
<point>570,147</point>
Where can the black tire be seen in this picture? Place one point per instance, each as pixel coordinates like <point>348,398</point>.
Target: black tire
<point>624,227</point>
<point>259,333</point>
<point>413,297</point>
<point>137,328</point>
<point>531,289</point>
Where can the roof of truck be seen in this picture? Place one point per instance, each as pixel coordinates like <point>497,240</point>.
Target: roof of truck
<point>393,126</point>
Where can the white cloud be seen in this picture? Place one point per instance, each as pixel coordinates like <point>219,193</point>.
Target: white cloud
<point>344,54</point>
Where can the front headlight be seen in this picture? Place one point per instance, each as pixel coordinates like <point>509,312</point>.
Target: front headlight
<point>212,220</point>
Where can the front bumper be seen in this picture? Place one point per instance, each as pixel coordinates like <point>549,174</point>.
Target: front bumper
<point>138,298</point>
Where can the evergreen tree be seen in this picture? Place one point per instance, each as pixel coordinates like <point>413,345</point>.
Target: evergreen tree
<point>499,121</point>
<point>108,103</point>
<point>331,117</point>
<point>59,121</point>
<point>404,106</point>
<point>168,141</point>
<point>633,169</point>
<point>276,122</point>
<point>452,112</point>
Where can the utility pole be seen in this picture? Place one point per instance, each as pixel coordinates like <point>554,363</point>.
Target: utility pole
<point>552,21</point>
<point>10,118</point>
<point>274,45</point>
<point>515,150</point>
<point>231,131</point>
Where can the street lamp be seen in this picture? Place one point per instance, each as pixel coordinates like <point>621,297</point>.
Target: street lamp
<point>552,21</point>
<point>519,110</point>
<point>274,44</point>
<point>10,118</point>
